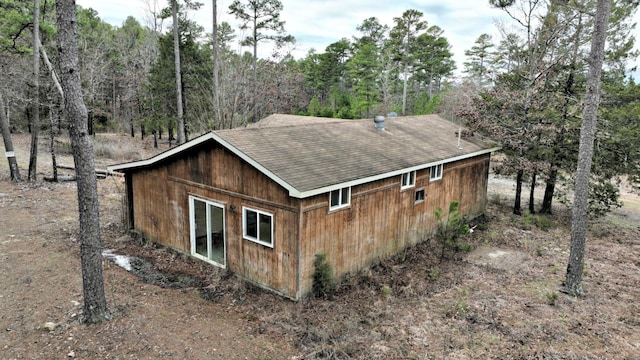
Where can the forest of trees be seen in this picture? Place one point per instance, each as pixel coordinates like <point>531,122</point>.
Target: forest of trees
<point>532,91</point>
<point>536,90</point>
<point>128,71</point>
<point>523,88</point>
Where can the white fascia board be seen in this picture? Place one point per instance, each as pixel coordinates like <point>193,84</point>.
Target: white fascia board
<point>326,189</point>
<point>162,155</point>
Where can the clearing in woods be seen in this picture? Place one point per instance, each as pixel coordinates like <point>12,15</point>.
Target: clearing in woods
<point>501,300</point>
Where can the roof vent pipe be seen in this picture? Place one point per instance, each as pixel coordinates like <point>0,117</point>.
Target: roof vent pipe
<point>379,121</point>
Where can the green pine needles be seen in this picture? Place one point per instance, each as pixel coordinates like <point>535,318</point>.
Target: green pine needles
<point>323,281</point>
<point>451,228</point>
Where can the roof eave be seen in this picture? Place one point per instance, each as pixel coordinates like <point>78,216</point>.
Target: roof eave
<point>159,157</point>
<point>293,192</point>
<point>325,189</point>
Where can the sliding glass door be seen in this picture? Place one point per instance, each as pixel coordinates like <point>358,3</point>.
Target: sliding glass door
<point>207,231</point>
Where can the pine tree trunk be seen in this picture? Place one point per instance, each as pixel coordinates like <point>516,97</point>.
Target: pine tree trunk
<point>532,190</point>
<point>404,88</point>
<point>52,145</point>
<point>517,203</point>
<point>95,304</point>
<point>573,280</point>
<point>176,50</point>
<point>549,190</point>
<point>216,69</point>
<point>8,143</point>
<point>35,119</point>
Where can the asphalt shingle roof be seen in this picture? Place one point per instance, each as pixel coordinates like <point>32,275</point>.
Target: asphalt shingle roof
<point>310,155</point>
<point>313,153</point>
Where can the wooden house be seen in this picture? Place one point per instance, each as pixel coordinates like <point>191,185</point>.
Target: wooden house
<point>263,200</point>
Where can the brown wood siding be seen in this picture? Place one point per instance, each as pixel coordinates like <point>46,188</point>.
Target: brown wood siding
<point>382,219</point>
<point>161,210</point>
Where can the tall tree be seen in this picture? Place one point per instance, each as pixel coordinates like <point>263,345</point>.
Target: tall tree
<point>478,58</point>
<point>434,58</point>
<point>262,17</point>
<point>8,143</point>
<point>403,36</point>
<point>35,116</point>
<point>216,68</point>
<point>178,72</point>
<point>95,304</point>
<point>573,280</point>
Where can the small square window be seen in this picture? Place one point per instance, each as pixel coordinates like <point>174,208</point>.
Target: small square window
<point>419,196</point>
<point>435,172</point>
<point>408,180</point>
<point>339,198</point>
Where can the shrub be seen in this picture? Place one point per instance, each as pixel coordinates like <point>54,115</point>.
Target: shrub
<point>116,150</point>
<point>450,229</point>
<point>542,222</point>
<point>323,281</point>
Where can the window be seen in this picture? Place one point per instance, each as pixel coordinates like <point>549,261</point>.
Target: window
<point>339,198</point>
<point>257,226</point>
<point>419,196</point>
<point>408,180</point>
<point>436,172</point>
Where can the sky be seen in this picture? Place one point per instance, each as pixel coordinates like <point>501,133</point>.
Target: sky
<point>318,23</point>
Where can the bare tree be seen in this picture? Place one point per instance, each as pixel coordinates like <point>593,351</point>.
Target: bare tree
<point>573,280</point>
<point>35,118</point>
<point>8,143</point>
<point>95,304</point>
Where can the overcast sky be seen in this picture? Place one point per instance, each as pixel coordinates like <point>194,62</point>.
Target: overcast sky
<point>318,23</point>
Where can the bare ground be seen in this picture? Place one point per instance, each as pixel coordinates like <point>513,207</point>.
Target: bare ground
<point>499,301</point>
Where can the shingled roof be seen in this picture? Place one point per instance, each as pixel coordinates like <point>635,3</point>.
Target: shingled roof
<point>310,156</point>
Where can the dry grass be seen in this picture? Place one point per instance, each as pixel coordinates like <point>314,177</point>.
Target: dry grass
<point>501,301</point>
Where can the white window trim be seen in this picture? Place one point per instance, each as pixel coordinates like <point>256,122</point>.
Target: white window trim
<point>244,227</point>
<point>341,205</point>
<point>424,196</point>
<point>438,173</point>
<point>411,180</point>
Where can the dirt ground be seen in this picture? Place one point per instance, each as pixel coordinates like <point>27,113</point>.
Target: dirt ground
<point>500,301</point>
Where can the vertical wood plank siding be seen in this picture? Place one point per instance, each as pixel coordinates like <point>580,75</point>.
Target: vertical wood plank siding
<point>161,211</point>
<point>383,219</point>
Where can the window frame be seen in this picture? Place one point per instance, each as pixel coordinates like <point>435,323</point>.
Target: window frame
<point>410,178</point>
<point>341,203</point>
<point>439,169</point>
<point>257,238</point>
<point>423,197</point>
<point>209,204</point>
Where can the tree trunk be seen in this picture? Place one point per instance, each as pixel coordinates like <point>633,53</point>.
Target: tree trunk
<point>176,51</point>
<point>549,190</point>
<point>8,143</point>
<point>35,119</point>
<point>532,209</point>
<point>517,203</point>
<point>404,88</point>
<point>52,144</point>
<point>573,280</point>
<point>255,66</point>
<point>216,69</point>
<point>95,304</point>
